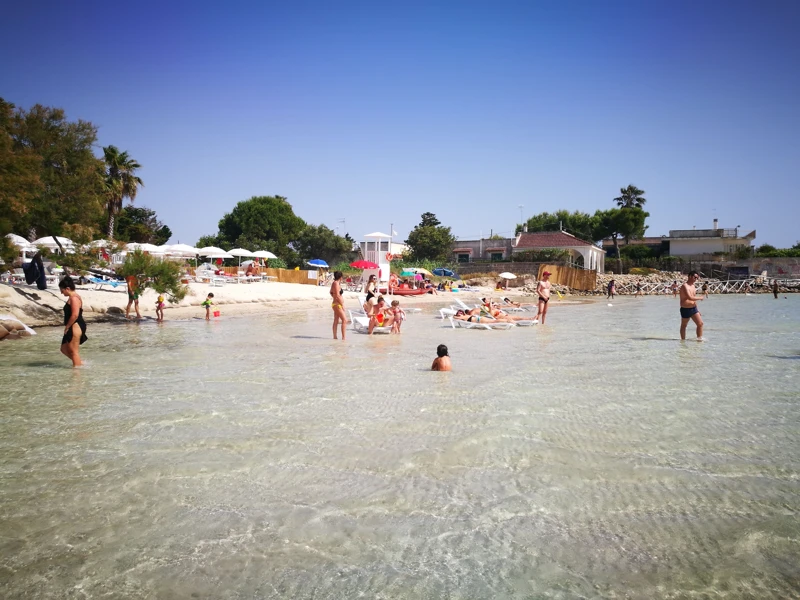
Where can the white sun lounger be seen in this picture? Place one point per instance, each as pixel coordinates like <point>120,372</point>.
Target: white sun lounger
<point>457,323</point>
<point>361,324</point>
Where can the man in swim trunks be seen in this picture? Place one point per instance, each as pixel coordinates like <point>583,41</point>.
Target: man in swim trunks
<point>543,290</point>
<point>133,296</point>
<point>689,306</point>
<point>337,303</point>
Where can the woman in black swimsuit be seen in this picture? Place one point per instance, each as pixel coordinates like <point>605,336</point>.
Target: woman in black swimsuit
<point>74,325</point>
<point>371,287</point>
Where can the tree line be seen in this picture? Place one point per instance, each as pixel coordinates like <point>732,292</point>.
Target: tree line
<point>52,184</point>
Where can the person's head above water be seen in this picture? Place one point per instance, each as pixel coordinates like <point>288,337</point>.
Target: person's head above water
<point>441,350</point>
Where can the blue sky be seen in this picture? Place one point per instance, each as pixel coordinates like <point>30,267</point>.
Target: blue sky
<point>375,112</point>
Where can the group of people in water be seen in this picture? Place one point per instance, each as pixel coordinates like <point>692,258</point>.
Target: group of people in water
<point>379,314</point>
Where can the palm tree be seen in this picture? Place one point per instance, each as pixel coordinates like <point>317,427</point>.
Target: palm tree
<point>631,197</point>
<point>121,182</point>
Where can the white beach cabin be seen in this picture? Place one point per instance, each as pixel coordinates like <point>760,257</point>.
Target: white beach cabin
<point>376,248</point>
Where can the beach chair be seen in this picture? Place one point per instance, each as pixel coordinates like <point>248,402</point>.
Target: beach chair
<point>361,324</point>
<point>445,313</point>
<point>457,323</point>
<point>99,282</point>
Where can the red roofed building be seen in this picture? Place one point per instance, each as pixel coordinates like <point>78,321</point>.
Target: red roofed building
<point>581,252</point>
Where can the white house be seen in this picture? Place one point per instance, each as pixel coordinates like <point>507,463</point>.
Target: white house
<point>689,242</point>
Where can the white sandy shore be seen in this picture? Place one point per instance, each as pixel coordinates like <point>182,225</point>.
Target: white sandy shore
<point>39,308</point>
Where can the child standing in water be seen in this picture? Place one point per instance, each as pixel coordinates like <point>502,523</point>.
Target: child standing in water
<point>207,304</point>
<point>399,316</point>
<point>442,360</point>
<point>160,308</point>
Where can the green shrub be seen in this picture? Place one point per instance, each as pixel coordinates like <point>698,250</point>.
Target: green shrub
<point>276,263</point>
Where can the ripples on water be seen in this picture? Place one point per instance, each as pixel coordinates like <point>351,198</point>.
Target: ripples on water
<point>253,457</point>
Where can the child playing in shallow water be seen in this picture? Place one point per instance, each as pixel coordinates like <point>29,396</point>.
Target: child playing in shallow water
<point>160,308</point>
<point>442,360</point>
<point>207,304</point>
<point>399,316</point>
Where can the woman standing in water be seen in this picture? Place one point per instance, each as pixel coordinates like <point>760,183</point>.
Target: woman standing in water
<point>74,325</point>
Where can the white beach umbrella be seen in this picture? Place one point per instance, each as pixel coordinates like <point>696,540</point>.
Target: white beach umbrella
<point>49,242</point>
<point>240,252</point>
<point>18,240</point>
<point>209,250</point>
<point>506,275</point>
<point>264,254</point>
<point>100,244</point>
<point>144,247</point>
<point>182,250</point>
<point>220,254</point>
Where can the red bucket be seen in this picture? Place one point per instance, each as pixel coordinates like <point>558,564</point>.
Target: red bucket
<point>216,313</point>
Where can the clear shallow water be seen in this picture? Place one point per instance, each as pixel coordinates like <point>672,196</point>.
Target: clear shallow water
<point>596,457</point>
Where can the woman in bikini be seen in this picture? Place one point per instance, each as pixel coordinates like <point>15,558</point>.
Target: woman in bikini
<point>337,304</point>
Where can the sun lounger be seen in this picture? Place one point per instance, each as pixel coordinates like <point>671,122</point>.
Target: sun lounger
<point>457,323</point>
<point>361,324</point>
<point>100,282</point>
<point>444,313</point>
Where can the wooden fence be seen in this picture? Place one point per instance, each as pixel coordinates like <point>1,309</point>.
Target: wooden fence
<point>281,275</point>
<point>577,279</point>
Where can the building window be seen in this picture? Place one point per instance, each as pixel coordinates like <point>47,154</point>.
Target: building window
<point>496,256</point>
<point>463,258</point>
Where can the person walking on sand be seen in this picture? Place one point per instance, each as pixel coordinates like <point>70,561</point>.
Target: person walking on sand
<point>74,325</point>
<point>612,290</point>
<point>689,306</point>
<point>639,288</point>
<point>543,290</point>
<point>337,304</point>
<point>674,289</point>
<point>442,360</point>
<point>133,296</point>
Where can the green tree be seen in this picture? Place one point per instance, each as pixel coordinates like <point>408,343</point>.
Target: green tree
<point>141,225</point>
<point>262,223</point>
<point>211,240</point>
<point>121,182</point>
<point>319,241</point>
<point>164,276</point>
<point>631,197</point>
<point>430,240</point>
<point>53,175</point>
<point>20,182</point>
<point>620,222</point>
<point>579,224</point>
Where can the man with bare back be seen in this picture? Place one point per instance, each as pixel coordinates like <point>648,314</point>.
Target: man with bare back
<point>689,306</point>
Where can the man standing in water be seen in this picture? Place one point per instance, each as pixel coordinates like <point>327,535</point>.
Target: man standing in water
<point>338,303</point>
<point>543,290</point>
<point>689,306</point>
